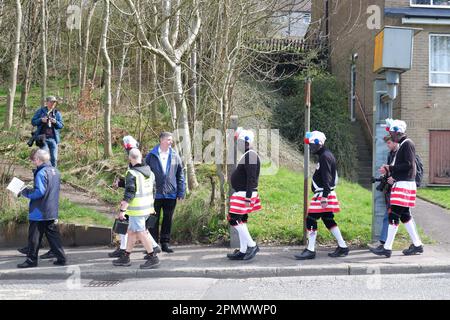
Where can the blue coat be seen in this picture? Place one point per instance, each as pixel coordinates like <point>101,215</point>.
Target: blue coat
<point>44,197</point>
<point>42,113</point>
<point>170,181</point>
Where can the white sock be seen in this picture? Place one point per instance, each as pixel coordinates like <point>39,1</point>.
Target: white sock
<point>337,234</point>
<point>312,235</point>
<point>123,241</point>
<point>242,238</point>
<point>412,230</point>
<point>250,241</point>
<point>154,244</point>
<point>392,231</point>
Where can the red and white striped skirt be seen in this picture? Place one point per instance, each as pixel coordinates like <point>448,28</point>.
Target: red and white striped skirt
<point>238,204</point>
<point>316,207</point>
<point>403,194</point>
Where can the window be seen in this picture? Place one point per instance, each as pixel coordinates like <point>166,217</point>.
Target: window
<point>428,3</point>
<point>307,18</point>
<point>440,60</point>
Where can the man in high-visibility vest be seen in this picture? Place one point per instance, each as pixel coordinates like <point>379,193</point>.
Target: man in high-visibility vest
<point>138,203</point>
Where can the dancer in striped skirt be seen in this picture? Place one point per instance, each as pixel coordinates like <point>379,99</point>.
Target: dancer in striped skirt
<point>403,193</point>
<point>245,199</point>
<point>324,204</point>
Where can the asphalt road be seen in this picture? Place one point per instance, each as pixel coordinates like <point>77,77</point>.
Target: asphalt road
<point>384,287</point>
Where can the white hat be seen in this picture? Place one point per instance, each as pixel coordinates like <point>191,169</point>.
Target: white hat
<point>130,143</point>
<point>396,125</point>
<point>244,135</point>
<point>315,137</point>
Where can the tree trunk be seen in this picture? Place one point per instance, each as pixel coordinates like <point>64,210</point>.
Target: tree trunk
<point>107,71</point>
<point>15,66</point>
<point>94,71</point>
<point>119,84</point>
<point>44,51</point>
<point>139,102</point>
<point>86,47</point>
<point>181,104</point>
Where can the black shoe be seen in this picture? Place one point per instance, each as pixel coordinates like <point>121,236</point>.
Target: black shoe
<point>235,252</point>
<point>59,263</point>
<point>48,255</point>
<point>251,253</point>
<point>123,261</point>
<point>157,249</point>
<point>27,264</point>
<point>413,250</point>
<point>165,247</point>
<point>306,255</point>
<point>149,255</point>
<point>151,263</point>
<point>116,253</point>
<point>236,255</point>
<point>23,250</point>
<point>381,251</point>
<point>339,252</point>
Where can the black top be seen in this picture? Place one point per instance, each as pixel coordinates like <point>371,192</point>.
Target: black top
<point>246,175</point>
<point>404,168</point>
<point>325,175</point>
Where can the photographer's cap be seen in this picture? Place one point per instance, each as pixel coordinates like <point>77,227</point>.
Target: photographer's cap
<point>51,99</point>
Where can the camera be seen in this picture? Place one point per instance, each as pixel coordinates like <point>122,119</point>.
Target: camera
<point>30,141</point>
<point>383,182</point>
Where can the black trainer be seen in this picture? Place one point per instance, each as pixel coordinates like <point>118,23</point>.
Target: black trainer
<point>251,253</point>
<point>60,263</point>
<point>151,263</point>
<point>305,255</point>
<point>165,247</point>
<point>148,255</point>
<point>413,250</point>
<point>48,255</point>
<point>27,264</point>
<point>381,251</point>
<point>123,261</point>
<point>339,252</point>
<point>236,255</point>
<point>116,253</point>
<point>23,250</point>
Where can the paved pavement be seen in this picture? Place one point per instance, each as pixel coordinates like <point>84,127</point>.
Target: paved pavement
<point>210,262</point>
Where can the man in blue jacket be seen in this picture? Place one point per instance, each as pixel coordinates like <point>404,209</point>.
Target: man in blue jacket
<point>49,122</point>
<point>167,167</point>
<point>43,210</point>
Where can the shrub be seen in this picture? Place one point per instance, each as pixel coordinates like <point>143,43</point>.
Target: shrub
<point>328,114</point>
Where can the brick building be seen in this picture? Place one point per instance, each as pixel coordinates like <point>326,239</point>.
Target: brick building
<point>424,96</point>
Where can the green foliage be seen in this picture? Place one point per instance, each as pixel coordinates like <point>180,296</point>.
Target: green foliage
<point>436,195</point>
<point>328,114</point>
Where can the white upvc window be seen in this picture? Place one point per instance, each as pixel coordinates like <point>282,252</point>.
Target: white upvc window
<point>430,3</point>
<point>440,60</point>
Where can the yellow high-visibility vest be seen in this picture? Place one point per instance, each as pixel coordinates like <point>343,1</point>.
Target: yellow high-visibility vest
<point>142,203</point>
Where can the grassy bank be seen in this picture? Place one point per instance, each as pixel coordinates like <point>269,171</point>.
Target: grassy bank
<point>438,195</point>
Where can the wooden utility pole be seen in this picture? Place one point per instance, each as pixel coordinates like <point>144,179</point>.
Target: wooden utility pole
<point>234,236</point>
<point>306,156</point>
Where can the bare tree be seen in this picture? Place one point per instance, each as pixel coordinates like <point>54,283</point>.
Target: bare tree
<point>172,53</point>
<point>15,66</point>
<point>84,63</point>
<point>107,93</point>
<point>44,50</point>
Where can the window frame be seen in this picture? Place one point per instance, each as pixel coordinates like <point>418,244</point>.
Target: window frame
<point>431,5</point>
<point>441,85</point>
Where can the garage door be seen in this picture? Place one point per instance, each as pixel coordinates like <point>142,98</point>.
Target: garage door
<point>440,157</point>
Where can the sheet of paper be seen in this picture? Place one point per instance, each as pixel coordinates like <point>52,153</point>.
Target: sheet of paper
<point>15,186</point>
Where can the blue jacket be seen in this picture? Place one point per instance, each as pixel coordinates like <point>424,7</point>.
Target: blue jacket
<point>44,197</point>
<point>170,181</point>
<point>42,113</point>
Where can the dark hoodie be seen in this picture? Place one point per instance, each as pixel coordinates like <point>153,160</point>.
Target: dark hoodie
<point>130,180</point>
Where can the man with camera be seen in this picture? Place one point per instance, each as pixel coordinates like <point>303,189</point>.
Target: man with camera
<point>385,186</point>
<point>49,122</point>
<point>402,173</point>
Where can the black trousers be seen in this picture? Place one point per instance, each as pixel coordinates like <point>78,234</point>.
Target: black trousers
<point>36,231</point>
<point>327,218</point>
<point>168,208</point>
